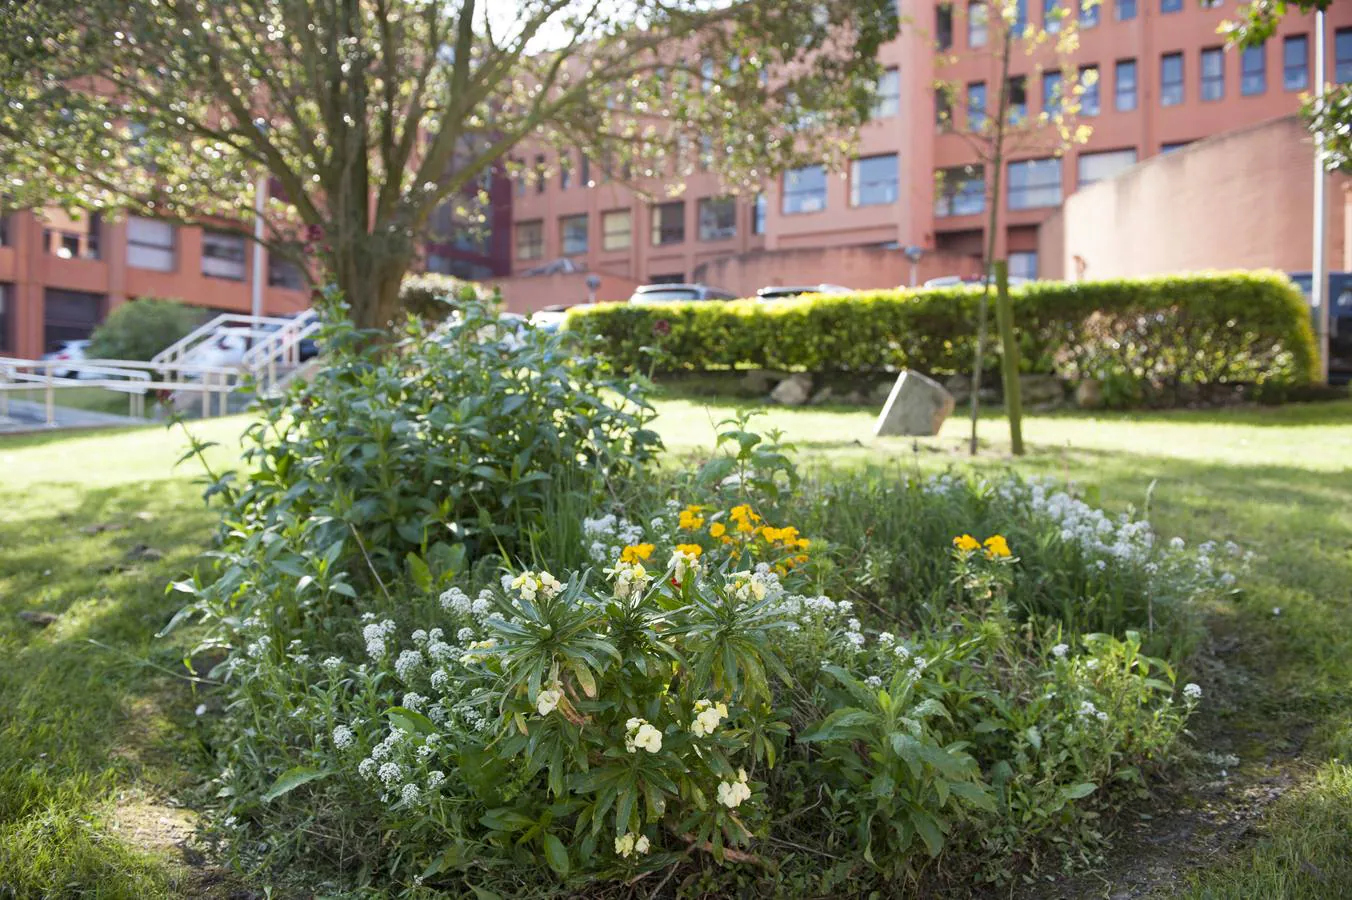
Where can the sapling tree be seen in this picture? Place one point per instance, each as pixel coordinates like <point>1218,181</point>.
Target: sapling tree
<point>1018,52</point>
<point>365,116</point>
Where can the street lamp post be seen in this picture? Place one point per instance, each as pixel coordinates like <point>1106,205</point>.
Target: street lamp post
<point>1319,270</point>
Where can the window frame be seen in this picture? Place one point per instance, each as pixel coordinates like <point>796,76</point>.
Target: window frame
<point>858,183</point>
<point>564,223</point>
<point>1180,84</point>
<point>661,230</point>
<point>1303,42</point>
<point>1094,90</point>
<point>1031,187</point>
<point>1118,94</point>
<point>707,203</point>
<point>1215,80</point>
<point>798,208</point>
<point>609,215</point>
<point>134,243</point>
<point>949,199</point>
<point>520,246</point>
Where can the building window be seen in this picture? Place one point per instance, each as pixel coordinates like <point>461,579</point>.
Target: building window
<point>223,255</point>
<point>717,218</point>
<point>617,230</point>
<point>540,173</point>
<point>283,273</point>
<point>1023,264</point>
<point>565,171</point>
<point>1051,92</point>
<point>1125,10</point>
<point>888,102</point>
<point>584,177</point>
<point>1295,62</point>
<point>150,244</point>
<point>976,106</point>
<point>1176,145</point>
<point>1213,74</point>
<point>1089,13</point>
<point>978,17</point>
<point>668,221</point>
<point>1211,4</point>
<point>74,243</point>
<point>1342,55</point>
<point>1171,6</point>
<point>1020,17</point>
<point>943,26</point>
<point>758,215</point>
<point>961,191</point>
<point>804,190</point>
<point>873,180</point>
<point>1034,183</point>
<point>1253,70</point>
<point>1018,98</point>
<point>4,230</point>
<point>1089,96</point>
<point>1124,91</point>
<point>530,240</point>
<point>1171,79</point>
<point>1051,16</point>
<point>1092,167</point>
<point>943,109</point>
<point>573,234</point>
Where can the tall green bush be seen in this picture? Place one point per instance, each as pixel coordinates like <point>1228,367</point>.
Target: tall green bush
<point>1149,340</point>
<point>142,328</point>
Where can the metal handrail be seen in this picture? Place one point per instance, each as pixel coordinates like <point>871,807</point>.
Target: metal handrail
<point>210,329</point>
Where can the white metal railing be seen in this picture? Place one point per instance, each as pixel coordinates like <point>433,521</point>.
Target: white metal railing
<point>279,352</point>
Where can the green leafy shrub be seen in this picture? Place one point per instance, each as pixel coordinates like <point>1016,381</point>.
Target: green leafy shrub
<point>142,328</point>
<point>1151,340</point>
<point>712,687</point>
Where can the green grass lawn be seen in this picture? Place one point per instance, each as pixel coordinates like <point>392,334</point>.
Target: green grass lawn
<point>90,398</point>
<point>97,740</point>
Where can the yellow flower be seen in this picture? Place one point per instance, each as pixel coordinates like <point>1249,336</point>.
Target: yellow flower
<point>997,547</point>
<point>690,518</point>
<point>636,552</point>
<point>966,543</point>
<point>693,550</point>
<point>718,529</point>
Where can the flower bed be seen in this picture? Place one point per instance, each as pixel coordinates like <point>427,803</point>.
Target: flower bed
<point>726,678</point>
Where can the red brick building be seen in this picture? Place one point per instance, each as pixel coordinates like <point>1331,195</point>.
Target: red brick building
<point>1164,80</point>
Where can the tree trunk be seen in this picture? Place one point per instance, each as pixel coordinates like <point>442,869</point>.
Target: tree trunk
<point>1004,318</point>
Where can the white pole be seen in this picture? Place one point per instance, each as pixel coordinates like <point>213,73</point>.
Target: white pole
<point>1319,271</point>
<point>260,197</point>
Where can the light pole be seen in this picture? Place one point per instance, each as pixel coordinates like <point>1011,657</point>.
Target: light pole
<point>260,198</point>
<point>1319,270</point>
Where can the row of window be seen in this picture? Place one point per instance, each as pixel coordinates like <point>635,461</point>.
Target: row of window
<point>717,221</point>
<point>1173,89</point>
<point>1054,16</point>
<point>1031,183</point>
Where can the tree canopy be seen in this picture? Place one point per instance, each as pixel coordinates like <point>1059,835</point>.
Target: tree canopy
<point>366,115</point>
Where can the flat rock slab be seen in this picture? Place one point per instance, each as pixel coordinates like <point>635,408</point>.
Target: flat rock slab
<point>917,406</point>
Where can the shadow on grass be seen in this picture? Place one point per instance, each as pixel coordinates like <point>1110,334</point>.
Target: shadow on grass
<point>83,724</point>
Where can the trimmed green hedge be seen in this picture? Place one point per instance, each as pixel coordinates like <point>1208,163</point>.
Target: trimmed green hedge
<point>1148,340</point>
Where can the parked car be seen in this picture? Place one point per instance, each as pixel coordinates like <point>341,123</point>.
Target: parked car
<point>551,317</point>
<point>783,292</point>
<point>227,348</point>
<point>1339,298</point>
<point>946,281</point>
<point>74,351</point>
<point>677,293</point>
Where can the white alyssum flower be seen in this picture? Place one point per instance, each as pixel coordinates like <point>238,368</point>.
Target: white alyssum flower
<point>707,715</point>
<point>548,700</point>
<point>413,700</point>
<point>465,635</point>
<point>333,665</point>
<point>873,681</point>
<point>1090,711</point>
<point>733,794</point>
<point>1192,691</point>
<point>409,662</point>
<point>639,735</point>
<point>434,779</point>
<point>410,793</point>
<point>367,768</point>
<point>342,737</point>
<point>375,635</point>
<point>390,773</point>
<point>1060,650</point>
<point>886,639</point>
<point>455,600</point>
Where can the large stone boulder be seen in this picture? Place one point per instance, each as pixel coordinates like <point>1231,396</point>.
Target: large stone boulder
<point>793,391</point>
<point>916,406</point>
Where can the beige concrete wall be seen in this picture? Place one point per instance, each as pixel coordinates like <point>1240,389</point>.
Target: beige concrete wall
<point>1244,199</point>
<point>854,267</point>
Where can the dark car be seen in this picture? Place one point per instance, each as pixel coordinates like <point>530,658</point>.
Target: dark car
<point>784,292</point>
<point>677,293</point>
<point>1339,299</point>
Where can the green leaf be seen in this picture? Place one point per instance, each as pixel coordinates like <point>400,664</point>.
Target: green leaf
<point>843,723</point>
<point>975,794</point>
<point>556,854</point>
<point>419,572</point>
<point>484,893</point>
<point>929,832</point>
<point>408,720</point>
<point>293,778</point>
<point>1078,791</point>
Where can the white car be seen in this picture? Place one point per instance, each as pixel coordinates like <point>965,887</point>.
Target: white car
<point>948,281</point>
<point>74,351</point>
<point>225,349</point>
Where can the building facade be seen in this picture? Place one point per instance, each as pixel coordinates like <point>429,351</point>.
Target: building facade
<point>1164,80</point>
